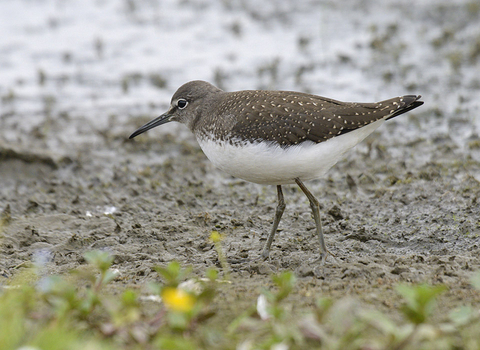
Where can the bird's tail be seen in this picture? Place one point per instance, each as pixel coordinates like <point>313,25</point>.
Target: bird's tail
<point>407,103</point>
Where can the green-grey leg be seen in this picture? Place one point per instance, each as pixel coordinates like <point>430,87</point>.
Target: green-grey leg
<point>276,221</point>
<point>315,206</point>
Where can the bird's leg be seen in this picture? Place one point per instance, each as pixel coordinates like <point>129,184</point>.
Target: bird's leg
<point>276,221</point>
<point>315,206</point>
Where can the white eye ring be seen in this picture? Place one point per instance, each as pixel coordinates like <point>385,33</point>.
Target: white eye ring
<point>182,103</point>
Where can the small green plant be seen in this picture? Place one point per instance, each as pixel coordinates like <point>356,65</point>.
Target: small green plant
<point>284,283</point>
<point>75,311</point>
<point>173,274</point>
<point>216,238</point>
<point>53,312</point>
<point>186,302</point>
<point>419,301</point>
<point>268,323</point>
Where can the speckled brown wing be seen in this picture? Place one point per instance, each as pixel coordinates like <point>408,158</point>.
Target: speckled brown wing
<point>291,118</point>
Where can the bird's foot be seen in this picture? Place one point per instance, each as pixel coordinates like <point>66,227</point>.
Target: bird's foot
<point>265,255</point>
<point>323,256</point>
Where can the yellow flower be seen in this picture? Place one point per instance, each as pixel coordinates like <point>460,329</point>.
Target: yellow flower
<point>177,299</point>
<point>215,237</point>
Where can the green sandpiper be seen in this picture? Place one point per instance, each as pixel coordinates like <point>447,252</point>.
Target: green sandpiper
<point>276,137</point>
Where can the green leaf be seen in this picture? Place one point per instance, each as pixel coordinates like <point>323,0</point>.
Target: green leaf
<point>285,282</point>
<point>178,320</point>
<point>380,321</point>
<point>212,274</point>
<point>419,301</point>
<point>323,306</point>
<point>102,260</point>
<point>109,276</point>
<point>175,343</point>
<point>129,298</point>
<point>155,288</point>
<point>173,273</point>
<point>462,315</point>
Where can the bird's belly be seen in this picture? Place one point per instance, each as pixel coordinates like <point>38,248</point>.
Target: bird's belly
<point>268,163</point>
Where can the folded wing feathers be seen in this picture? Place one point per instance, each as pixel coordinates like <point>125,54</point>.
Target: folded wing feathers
<point>296,123</point>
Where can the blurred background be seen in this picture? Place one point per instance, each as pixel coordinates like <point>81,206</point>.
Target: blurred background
<point>71,71</point>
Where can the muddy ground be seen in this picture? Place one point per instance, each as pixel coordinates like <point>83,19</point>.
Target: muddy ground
<point>401,207</point>
<point>386,219</point>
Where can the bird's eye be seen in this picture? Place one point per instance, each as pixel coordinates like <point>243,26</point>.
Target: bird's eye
<point>182,103</point>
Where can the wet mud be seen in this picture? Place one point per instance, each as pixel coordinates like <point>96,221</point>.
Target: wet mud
<point>401,207</point>
<point>387,219</point>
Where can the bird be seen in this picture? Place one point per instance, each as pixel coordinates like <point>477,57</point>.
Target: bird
<point>276,137</point>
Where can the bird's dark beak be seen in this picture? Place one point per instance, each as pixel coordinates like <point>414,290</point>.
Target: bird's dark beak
<point>164,118</point>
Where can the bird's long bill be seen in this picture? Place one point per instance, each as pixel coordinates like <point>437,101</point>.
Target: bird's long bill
<point>164,118</point>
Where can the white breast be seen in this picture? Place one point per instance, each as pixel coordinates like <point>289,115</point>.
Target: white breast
<point>267,163</point>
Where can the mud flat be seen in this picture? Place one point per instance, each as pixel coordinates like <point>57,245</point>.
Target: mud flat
<point>401,207</point>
